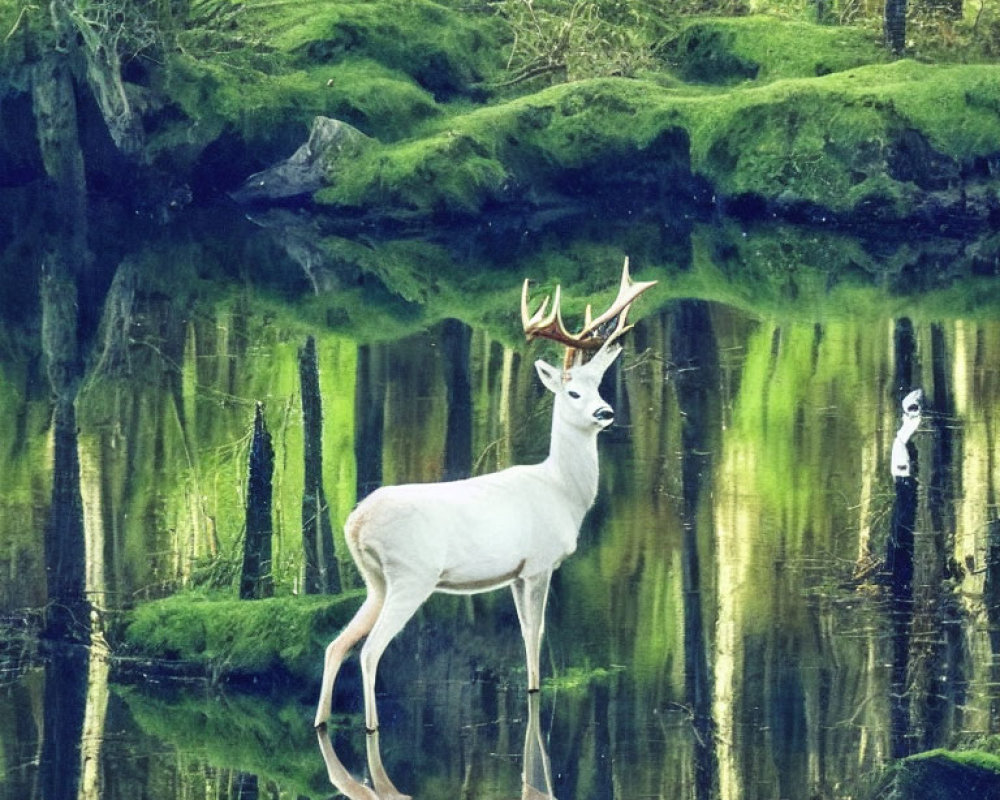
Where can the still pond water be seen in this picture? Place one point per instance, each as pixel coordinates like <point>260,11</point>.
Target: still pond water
<point>737,622</point>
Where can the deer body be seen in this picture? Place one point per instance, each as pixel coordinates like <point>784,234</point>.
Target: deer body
<point>467,533</point>
<point>509,528</point>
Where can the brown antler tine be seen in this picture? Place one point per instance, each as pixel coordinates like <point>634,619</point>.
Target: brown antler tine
<point>628,291</point>
<point>596,331</point>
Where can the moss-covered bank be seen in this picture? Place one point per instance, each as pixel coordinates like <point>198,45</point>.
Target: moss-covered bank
<point>224,639</point>
<point>752,114</point>
<point>889,141</point>
<point>942,775</point>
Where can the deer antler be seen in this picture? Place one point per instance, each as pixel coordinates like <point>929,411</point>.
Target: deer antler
<point>596,332</point>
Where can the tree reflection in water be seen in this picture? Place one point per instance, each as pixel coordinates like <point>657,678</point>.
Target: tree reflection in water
<point>704,619</point>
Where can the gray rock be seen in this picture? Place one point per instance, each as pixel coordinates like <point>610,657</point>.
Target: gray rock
<point>305,171</point>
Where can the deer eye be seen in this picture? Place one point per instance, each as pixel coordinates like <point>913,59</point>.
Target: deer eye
<point>574,395</point>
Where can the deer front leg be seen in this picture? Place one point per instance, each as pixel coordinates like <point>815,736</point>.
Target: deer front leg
<point>530,595</point>
<point>402,599</point>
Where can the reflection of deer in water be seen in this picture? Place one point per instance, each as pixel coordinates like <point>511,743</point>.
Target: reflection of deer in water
<point>536,773</point>
<point>508,528</point>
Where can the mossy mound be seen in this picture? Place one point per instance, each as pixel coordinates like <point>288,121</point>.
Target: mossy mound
<point>446,52</point>
<point>942,775</point>
<point>800,120</point>
<point>257,73</point>
<point>875,140</point>
<point>238,638</point>
<point>262,108</point>
<point>729,50</point>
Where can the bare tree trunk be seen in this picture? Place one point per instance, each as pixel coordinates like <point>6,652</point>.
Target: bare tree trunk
<point>322,573</point>
<point>68,615</point>
<point>824,11</point>
<point>370,418</point>
<point>894,26</point>
<point>694,350</point>
<point>256,581</point>
<point>456,340</point>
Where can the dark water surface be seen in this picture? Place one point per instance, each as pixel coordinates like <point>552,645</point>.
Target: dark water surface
<point>757,608</point>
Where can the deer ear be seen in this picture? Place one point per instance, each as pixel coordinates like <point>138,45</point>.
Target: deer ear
<point>550,376</point>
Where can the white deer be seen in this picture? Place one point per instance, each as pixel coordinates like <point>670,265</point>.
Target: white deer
<point>508,528</point>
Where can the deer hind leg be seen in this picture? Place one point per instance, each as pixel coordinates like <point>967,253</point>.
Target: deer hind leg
<point>530,595</point>
<point>403,597</point>
<point>361,623</point>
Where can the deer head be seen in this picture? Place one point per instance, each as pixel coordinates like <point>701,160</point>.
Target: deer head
<point>588,353</point>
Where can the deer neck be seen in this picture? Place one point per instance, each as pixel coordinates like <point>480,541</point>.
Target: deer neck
<point>573,459</point>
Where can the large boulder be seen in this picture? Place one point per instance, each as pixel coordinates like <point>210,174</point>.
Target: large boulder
<point>330,140</point>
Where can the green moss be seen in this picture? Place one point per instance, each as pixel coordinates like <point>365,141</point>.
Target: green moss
<point>582,678</point>
<point>263,70</point>
<point>447,172</point>
<point>377,100</point>
<point>286,634</point>
<point>942,775</point>
<point>863,133</point>
<point>867,136</point>
<point>445,51</point>
<point>728,50</point>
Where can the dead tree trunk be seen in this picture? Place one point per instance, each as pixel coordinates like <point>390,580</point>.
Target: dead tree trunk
<point>456,341</point>
<point>68,614</point>
<point>321,572</point>
<point>256,581</point>
<point>894,26</point>
<point>694,350</point>
<point>369,405</point>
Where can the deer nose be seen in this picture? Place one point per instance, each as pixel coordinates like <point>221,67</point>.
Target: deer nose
<point>604,414</point>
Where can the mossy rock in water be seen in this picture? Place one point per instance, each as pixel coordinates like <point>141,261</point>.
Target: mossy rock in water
<point>274,637</point>
<point>729,50</point>
<point>942,775</point>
